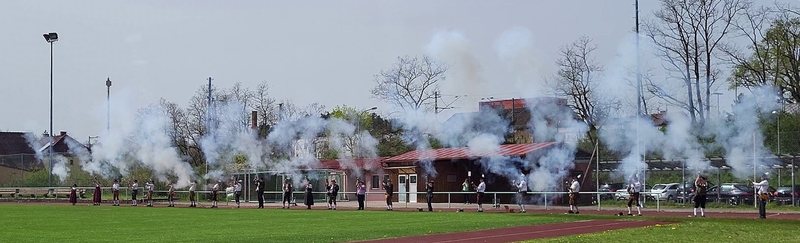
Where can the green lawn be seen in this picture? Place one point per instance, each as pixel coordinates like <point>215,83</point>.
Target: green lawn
<point>60,223</point>
<point>697,230</point>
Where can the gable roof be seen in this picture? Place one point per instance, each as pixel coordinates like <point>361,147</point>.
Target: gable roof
<point>15,143</point>
<point>61,143</point>
<point>446,154</point>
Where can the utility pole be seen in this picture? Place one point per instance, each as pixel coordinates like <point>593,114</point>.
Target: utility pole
<point>638,67</point>
<point>436,102</point>
<point>208,123</point>
<point>108,104</point>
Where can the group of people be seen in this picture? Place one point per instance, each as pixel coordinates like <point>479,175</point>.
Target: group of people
<point>115,188</point>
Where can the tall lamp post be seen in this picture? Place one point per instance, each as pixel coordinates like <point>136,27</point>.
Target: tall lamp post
<point>108,104</point>
<point>51,38</point>
<point>717,94</point>
<point>358,131</point>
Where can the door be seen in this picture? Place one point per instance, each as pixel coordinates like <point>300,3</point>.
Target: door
<point>401,188</point>
<point>412,188</point>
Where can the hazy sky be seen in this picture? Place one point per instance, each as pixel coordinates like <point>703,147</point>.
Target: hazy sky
<point>324,52</point>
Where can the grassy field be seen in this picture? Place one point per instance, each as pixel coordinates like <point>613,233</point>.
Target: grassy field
<point>61,223</point>
<point>697,230</point>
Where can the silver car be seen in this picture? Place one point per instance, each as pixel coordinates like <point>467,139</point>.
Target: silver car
<point>667,192</point>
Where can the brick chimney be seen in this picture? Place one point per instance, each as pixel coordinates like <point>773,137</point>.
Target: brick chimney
<point>254,119</point>
<point>63,133</point>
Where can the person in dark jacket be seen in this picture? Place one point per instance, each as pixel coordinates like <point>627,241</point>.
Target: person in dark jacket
<point>429,192</point>
<point>73,194</point>
<point>260,191</point>
<point>388,187</point>
<point>309,194</point>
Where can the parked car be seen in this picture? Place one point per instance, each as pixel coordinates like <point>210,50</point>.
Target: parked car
<point>667,192</point>
<point>610,187</point>
<point>622,194</point>
<point>783,194</point>
<point>686,191</point>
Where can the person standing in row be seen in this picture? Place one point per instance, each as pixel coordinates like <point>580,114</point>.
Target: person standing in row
<point>465,190</point>
<point>115,191</point>
<point>429,195</point>
<point>171,195</point>
<point>73,194</point>
<point>134,192</point>
<point>480,190</point>
<point>522,192</point>
<point>388,189</point>
<point>333,191</point>
<point>762,188</point>
<point>214,192</point>
<point>574,189</point>
<point>237,192</point>
<point>361,193</point>
<point>260,192</point>
<point>150,186</point>
<point>633,191</point>
<point>699,198</point>
<point>309,194</point>
<point>192,193</point>
<point>288,191</point>
<point>97,193</point>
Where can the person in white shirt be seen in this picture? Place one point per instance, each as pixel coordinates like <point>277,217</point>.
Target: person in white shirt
<point>762,188</point>
<point>192,193</point>
<point>115,191</point>
<point>480,190</point>
<point>214,192</point>
<point>237,192</point>
<point>574,189</point>
<point>134,192</point>
<point>171,195</point>
<point>149,186</point>
<point>633,190</point>
<point>522,192</point>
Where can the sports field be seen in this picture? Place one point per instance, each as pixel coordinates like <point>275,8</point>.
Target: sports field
<point>82,223</point>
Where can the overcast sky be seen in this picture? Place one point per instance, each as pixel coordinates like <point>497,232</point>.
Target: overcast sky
<point>324,52</point>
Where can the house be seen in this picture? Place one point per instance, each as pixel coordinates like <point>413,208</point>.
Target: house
<point>17,158</point>
<point>454,165</point>
<point>65,146</point>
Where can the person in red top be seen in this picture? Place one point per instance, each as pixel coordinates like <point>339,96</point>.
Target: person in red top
<point>73,194</point>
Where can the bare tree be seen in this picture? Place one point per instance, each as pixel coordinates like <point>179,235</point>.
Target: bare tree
<point>411,83</point>
<point>688,35</point>
<point>577,79</point>
<point>265,106</point>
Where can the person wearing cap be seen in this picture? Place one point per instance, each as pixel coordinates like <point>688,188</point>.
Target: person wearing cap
<point>333,190</point>
<point>115,191</point>
<point>522,192</point>
<point>214,192</point>
<point>171,195</point>
<point>701,187</point>
<point>192,193</point>
<point>134,192</point>
<point>361,193</point>
<point>97,193</point>
<point>762,188</point>
<point>480,190</point>
<point>574,189</point>
<point>309,194</point>
<point>288,191</point>
<point>150,186</point>
<point>260,191</point>
<point>633,190</point>
<point>237,192</point>
<point>429,195</point>
<point>388,189</point>
<point>73,194</point>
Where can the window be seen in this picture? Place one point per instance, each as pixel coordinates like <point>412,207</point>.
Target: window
<point>376,181</point>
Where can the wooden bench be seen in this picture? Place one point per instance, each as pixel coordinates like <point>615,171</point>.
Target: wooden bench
<point>8,192</point>
<point>61,191</point>
<point>33,192</point>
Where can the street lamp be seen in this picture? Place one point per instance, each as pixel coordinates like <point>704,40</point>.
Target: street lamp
<point>358,129</point>
<point>51,38</point>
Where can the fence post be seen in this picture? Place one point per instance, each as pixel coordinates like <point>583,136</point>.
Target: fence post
<point>545,201</point>
<point>448,199</point>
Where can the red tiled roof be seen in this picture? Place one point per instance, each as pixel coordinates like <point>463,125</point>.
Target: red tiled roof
<point>508,150</point>
<point>361,163</point>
